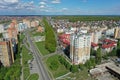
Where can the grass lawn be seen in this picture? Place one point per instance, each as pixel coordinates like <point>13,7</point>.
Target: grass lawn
<point>25,56</point>
<point>26,73</point>
<point>81,75</point>
<point>37,33</point>
<point>33,77</point>
<point>60,70</point>
<point>22,37</point>
<point>41,47</point>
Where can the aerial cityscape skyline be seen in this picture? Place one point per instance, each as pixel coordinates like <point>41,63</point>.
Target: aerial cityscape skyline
<point>59,7</point>
<point>59,39</point>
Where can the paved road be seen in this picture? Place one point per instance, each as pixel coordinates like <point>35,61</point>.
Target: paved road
<point>44,74</point>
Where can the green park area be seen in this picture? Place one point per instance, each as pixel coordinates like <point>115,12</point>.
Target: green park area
<point>34,33</point>
<point>80,75</point>
<point>58,67</point>
<point>55,67</point>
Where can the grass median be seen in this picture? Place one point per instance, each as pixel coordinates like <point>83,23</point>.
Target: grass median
<point>33,77</point>
<point>25,56</point>
<point>41,47</point>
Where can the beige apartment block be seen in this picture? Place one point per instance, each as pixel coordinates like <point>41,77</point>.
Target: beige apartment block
<point>6,53</point>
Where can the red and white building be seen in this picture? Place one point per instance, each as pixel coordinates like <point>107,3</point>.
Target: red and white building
<point>65,40</point>
<point>108,45</point>
<point>94,46</point>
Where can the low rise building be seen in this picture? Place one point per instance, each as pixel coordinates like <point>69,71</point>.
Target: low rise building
<point>40,29</point>
<point>108,45</point>
<point>94,46</point>
<point>64,40</point>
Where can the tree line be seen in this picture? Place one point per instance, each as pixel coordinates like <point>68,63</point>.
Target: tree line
<point>50,41</point>
<point>87,18</point>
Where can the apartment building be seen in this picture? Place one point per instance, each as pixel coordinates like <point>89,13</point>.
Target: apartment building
<point>34,23</point>
<point>6,53</point>
<point>12,32</point>
<point>27,23</point>
<point>95,36</point>
<point>80,44</point>
<point>117,32</point>
<point>21,27</point>
<point>110,32</point>
<point>1,28</point>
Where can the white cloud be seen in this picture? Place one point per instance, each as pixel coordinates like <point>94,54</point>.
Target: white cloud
<point>32,2</point>
<point>56,1</point>
<point>42,3</point>
<point>64,8</point>
<point>11,1</point>
<point>42,6</point>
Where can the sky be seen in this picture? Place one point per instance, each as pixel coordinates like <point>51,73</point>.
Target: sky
<point>59,7</point>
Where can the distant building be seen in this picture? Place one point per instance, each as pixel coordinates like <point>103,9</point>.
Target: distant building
<point>13,33</point>
<point>1,28</point>
<point>6,53</point>
<point>65,40</point>
<point>60,30</point>
<point>108,45</point>
<point>110,32</point>
<point>94,46</point>
<point>21,27</point>
<point>117,33</point>
<point>40,29</point>
<point>27,23</point>
<point>95,36</point>
<point>34,23</point>
<point>80,45</point>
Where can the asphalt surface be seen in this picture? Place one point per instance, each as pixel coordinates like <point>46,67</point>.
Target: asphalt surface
<point>43,73</point>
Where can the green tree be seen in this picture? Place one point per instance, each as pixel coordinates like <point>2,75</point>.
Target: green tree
<point>81,66</point>
<point>50,40</point>
<point>64,62</point>
<point>88,64</point>
<point>98,56</point>
<point>92,52</point>
<point>74,68</point>
<point>54,65</point>
<point>68,65</point>
<point>118,48</point>
<point>113,52</point>
<point>92,60</point>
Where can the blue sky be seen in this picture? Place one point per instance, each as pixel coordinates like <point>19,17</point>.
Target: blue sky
<point>59,7</point>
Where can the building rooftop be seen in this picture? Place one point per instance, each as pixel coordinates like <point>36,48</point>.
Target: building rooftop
<point>108,43</point>
<point>114,68</point>
<point>94,44</point>
<point>65,38</point>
